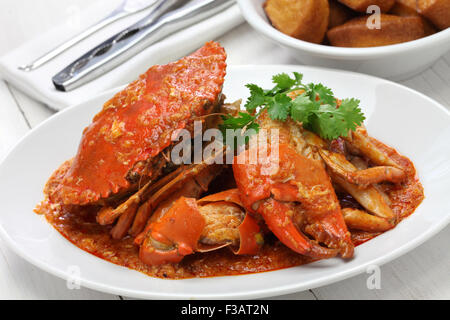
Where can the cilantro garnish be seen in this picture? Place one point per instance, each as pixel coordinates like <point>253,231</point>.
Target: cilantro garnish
<point>316,108</point>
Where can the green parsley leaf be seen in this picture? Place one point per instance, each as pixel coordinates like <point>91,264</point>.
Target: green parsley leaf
<point>298,77</point>
<point>302,108</point>
<point>242,120</point>
<point>324,94</point>
<point>279,107</point>
<point>283,81</point>
<point>256,99</point>
<point>242,125</point>
<point>316,108</point>
<point>329,124</point>
<point>351,114</point>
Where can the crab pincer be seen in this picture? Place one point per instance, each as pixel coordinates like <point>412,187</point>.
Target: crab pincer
<point>305,201</point>
<point>204,225</point>
<point>295,197</point>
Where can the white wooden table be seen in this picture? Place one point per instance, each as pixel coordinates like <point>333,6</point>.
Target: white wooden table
<point>424,273</point>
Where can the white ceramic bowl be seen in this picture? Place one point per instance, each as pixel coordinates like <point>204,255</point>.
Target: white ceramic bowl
<point>397,62</point>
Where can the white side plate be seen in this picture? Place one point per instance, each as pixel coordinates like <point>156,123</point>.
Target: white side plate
<point>415,125</point>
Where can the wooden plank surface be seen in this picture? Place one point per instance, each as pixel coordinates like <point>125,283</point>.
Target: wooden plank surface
<point>421,274</point>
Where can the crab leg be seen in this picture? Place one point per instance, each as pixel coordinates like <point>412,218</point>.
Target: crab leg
<point>196,180</point>
<point>360,140</point>
<point>190,226</point>
<point>359,181</point>
<point>128,210</point>
<point>347,171</point>
<point>132,214</point>
<point>370,198</point>
<point>107,215</point>
<point>367,195</point>
<point>122,226</point>
<point>361,220</point>
<point>141,218</point>
<point>155,208</point>
<point>145,210</point>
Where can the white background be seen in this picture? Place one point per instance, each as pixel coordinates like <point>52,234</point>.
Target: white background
<point>421,274</point>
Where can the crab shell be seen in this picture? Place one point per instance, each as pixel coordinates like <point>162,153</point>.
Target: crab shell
<point>182,225</point>
<point>137,124</point>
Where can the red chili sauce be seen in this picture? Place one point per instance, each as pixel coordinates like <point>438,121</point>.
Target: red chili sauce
<point>79,226</point>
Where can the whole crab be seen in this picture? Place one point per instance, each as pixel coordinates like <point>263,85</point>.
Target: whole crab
<point>123,151</point>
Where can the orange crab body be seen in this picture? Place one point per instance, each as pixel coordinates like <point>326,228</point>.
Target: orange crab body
<point>295,199</point>
<point>123,145</point>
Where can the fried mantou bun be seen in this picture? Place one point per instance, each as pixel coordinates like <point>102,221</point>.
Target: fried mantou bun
<point>404,8</point>
<point>362,5</point>
<point>339,14</point>
<point>302,19</point>
<point>407,8</point>
<point>438,11</point>
<point>355,33</point>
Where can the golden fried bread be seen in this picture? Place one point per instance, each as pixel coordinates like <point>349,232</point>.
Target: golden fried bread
<point>406,8</point>
<point>361,5</point>
<point>438,11</point>
<point>355,33</point>
<point>339,14</point>
<point>302,19</point>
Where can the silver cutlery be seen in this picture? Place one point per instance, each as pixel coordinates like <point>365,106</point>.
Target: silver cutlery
<point>165,18</point>
<point>126,8</point>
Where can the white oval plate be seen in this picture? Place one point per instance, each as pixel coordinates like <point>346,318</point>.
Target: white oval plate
<point>415,125</point>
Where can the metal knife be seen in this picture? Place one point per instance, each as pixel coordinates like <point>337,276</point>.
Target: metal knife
<point>166,18</point>
<point>126,8</point>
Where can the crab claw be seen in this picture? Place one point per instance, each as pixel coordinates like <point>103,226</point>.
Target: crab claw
<point>250,236</point>
<point>190,226</point>
<point>175,235</point>
<point>296,197</point>
<point>363,178</point>
<point>279,218</point>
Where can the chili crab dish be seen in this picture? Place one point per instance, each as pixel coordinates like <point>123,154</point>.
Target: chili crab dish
<point>326,187</point>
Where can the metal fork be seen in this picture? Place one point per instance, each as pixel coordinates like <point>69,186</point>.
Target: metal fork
<point>126,8</point>
<point>165,19</point>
